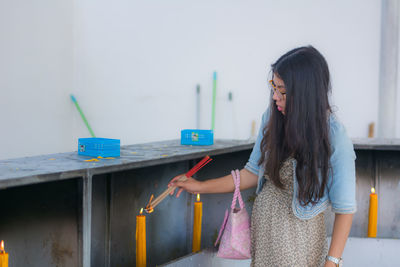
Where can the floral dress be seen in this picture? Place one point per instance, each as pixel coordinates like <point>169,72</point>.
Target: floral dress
<point>278,237</point>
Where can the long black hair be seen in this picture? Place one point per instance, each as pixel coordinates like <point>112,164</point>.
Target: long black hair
<point>303,132</point>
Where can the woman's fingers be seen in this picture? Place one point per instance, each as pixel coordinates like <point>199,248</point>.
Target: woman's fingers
<point>190,185</point>
<point>172,192</point>
<point>173,183</point>
<point>182,186</point>
<point>179,192</point>
<point>175,179</point>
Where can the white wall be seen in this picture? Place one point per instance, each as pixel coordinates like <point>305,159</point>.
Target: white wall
<point>135,66</point>
<point>36,49</point>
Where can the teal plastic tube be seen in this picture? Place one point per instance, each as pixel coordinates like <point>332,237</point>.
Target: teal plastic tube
<point>82,115</point>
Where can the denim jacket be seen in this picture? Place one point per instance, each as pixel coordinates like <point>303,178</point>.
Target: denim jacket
<point>341,186</point>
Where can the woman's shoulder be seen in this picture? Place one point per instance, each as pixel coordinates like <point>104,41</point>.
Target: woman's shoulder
<point>338,134</point>
<point>336,127</point>
<point>266,113</point>
<point>265,116</point>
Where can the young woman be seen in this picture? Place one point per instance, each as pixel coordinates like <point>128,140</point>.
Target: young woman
<point>301,162</point>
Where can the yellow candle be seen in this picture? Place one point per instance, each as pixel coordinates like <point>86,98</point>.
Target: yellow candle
<point>141,240</point>
<point>3,256</point>
<point>373,214</point>
<point>197,217</point>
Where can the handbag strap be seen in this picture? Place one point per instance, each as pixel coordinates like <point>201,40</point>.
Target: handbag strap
<point>222,227</point>
<point>236,194</point>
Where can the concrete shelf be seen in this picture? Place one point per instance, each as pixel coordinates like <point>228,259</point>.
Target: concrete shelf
<point>59,210</point>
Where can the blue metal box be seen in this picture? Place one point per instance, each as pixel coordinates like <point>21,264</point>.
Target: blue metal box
<point>96,147</point>
<point>197,137</point>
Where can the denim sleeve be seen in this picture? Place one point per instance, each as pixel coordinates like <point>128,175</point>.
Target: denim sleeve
<point>342,187</point>
<point>252,163</point>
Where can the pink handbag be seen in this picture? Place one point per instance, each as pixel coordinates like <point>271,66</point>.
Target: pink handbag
<point>235,241</point>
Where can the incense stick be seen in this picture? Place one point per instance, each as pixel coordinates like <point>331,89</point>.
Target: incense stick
<point>198,166</point>
<point>166,193</point>
<point>152,204</point>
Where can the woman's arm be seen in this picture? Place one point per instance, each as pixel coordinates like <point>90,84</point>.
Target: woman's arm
<point>219,185</point>
<point>341,230</point>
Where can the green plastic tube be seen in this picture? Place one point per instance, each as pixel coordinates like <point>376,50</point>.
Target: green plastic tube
<point>82,115</point>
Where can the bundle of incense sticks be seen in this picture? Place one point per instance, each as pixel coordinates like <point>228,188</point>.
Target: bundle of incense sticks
<point>153,203</point>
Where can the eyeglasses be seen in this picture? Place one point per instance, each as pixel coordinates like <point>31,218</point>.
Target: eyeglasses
<point>277,89</point>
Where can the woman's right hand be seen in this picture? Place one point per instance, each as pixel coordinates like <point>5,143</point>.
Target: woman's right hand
<point>190,185</point>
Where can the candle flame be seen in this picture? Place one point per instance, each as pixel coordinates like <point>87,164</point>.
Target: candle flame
<point>2,245</point>
<point>372,190</point>
<point>198,197</point>
<point>141,211</point>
